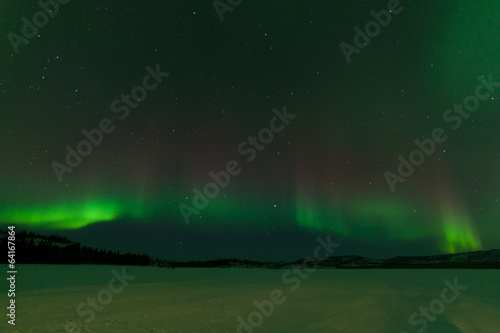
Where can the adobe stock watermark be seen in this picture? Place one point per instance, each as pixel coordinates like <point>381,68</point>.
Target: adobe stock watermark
<point>95,136</point>
<point>222,178</point>
<point>372,29</point>
<point>436,306</point>
<point>292,277</point>
<point>40,19</point>
<point>225,6</point>
<point>103,298</point>
<point>427,147</point>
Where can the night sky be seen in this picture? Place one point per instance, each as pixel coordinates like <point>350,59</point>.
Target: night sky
<point>324,168</point>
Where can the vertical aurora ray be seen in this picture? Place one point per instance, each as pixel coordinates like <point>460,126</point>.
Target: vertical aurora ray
<point>324,217</point>
<point>311,209</point>
<point>459,234</point>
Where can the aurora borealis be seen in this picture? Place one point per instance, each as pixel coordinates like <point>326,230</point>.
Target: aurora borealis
<point>323,174</point>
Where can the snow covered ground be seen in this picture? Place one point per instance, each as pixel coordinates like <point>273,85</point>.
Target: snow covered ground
<point>146,299</point>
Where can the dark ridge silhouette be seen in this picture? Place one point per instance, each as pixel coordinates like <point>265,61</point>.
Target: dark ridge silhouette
<point>32,248</point>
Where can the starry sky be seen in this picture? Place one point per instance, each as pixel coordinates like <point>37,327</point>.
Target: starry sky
<point>217,77</point>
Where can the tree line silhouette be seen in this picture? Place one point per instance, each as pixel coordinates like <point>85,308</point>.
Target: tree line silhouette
<point>33,248</point>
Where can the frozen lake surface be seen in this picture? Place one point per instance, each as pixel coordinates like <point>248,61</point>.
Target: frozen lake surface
<point>49,297</point>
